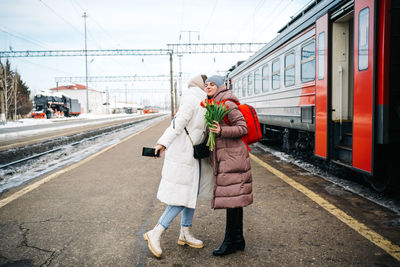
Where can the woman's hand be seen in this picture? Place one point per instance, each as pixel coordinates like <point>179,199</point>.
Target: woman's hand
<point>157,148</point>
<point>215,128</point>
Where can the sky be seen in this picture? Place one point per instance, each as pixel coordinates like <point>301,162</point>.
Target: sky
<point>38,25</point>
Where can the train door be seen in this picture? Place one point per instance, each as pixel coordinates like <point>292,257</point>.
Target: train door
<point>364,85</point>
<point>321,88</point>
<point>341,96</point>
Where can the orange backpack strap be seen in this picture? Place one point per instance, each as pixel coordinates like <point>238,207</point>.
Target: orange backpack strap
<point>226,116</point>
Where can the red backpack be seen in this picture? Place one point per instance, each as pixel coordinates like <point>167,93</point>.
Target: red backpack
<point>253,126</point>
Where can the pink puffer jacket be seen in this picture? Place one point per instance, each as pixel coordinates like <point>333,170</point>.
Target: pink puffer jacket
<point>230,159</point>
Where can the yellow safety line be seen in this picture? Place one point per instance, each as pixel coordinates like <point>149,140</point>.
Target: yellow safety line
<point>35,185</point>
<point>361,228</point>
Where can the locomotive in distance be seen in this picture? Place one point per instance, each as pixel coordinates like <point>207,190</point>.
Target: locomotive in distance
<point>49,105</point>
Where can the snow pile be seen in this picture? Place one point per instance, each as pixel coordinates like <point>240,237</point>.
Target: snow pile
<point>345,185</point>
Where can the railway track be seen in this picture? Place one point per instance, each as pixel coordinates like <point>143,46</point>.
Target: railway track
<point>24,164</point>
<point>20,155</point>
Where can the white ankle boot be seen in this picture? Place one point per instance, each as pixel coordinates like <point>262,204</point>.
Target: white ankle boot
<point>153,240</point>
<point>186,237</point>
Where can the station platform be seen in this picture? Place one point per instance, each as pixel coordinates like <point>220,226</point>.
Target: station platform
<point>93,213</point>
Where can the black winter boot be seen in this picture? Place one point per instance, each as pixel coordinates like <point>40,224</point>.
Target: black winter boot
<point>238,238</point>
<point>227,246</point>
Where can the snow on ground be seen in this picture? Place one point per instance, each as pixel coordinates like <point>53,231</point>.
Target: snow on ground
<point>52,124</point>
<point>19,174</point>
<point>30,121</point>
<point>345,185</point>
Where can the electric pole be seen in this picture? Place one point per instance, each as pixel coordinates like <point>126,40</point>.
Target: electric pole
<point>190,36</point>
<point>180,74</point>
<point>181,55</point>
<point>15,81</point>
<point>86,64</point>
<point>172,85</point>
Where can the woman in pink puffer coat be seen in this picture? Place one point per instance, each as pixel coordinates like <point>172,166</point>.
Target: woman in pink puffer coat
<point>231,164</point>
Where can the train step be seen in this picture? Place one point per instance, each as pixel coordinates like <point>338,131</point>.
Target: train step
<point>344,153</point>
<point>347,139</point>
<point>344,147</point>
<point>341,163</point>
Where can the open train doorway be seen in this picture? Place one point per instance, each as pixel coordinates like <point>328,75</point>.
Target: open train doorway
<point>342,88</point>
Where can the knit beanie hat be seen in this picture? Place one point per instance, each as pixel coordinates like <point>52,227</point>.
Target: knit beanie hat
<point>216,79</point>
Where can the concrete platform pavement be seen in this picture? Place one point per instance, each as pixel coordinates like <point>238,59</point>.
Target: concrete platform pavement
<point>95,214</point>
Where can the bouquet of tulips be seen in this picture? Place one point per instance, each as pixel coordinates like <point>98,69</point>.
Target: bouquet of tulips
<point>216,111</point>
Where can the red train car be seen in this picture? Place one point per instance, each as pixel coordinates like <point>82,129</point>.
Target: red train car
<point>327,83</point>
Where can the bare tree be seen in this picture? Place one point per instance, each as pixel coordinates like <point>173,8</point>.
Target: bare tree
<point>14,94</point>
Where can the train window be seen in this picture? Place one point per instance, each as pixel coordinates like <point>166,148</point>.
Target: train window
<point>276,76</point>
<point>307,114</point>
<point>244,86</point>
<point>237,88</point>
<point>289,69</point>
<point>363,39</point>
<point>265,82</point>
<point>308,62</point>
<point>321,55</point>
<point>250,84</point>
<point>257,82</point>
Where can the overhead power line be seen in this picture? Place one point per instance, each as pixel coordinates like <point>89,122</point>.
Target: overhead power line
<point>131,78</point>
<point>61,17</point>
<point>20,36</point>
<point>196,48</point>
<point>139,91</point>
<point>215,48</point>
<point>91,53</point>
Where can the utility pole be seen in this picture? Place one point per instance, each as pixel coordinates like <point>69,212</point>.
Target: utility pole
<point>176,99</point>
<point>190,36</point>
<point>15,95</point>
<point>86,64</point>
<point>5,91</point>
<point>181,55</point>
<point>180,74</point>
<point>172,85</point>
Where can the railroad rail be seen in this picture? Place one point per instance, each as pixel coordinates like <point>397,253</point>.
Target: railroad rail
<point>12,157</point>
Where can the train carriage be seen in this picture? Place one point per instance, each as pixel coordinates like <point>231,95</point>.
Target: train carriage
<point>327,84</point>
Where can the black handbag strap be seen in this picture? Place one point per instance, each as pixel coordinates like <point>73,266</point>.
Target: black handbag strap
<point>187,132</point>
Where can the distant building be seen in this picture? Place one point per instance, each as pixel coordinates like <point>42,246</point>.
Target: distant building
<point>78,91</point>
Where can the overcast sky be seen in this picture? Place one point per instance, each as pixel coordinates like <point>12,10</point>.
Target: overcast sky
<point>133,24</point>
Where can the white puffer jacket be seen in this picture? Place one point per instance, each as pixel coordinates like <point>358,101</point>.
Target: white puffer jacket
<point>181,171</point>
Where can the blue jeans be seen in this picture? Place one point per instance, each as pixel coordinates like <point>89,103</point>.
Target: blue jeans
<point>172,211</point>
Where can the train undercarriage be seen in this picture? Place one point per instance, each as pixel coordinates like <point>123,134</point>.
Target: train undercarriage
<point>300,144</point>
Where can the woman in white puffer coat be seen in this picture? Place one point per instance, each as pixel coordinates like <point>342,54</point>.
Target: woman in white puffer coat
<point>184,178</point>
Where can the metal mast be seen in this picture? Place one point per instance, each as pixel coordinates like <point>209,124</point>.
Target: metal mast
<point>87,87</point>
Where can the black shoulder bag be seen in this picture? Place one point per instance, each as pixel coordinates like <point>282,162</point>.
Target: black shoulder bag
<point>200,151</point>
